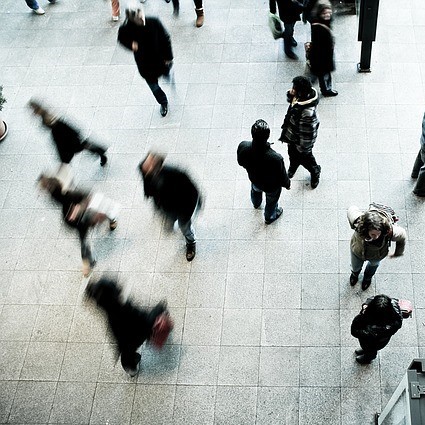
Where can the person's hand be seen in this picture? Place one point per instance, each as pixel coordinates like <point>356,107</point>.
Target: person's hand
<point>168,62</point>
<point>135,46</point>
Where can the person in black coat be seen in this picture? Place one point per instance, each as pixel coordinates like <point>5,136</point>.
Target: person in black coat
<point>130,324</point>
<point>289,13</point>
<point>379,319</point>
<point>266,170</point>
<point>68,140</point>
<point>151,44</point>
<point>174,194</point>
<point>77,214</point>
<point>321,53</point>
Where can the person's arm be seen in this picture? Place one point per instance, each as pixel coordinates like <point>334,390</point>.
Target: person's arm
<point>272,6</point>
<point>353,214</point>
<point>307,131</point>
<point>360,329</point>
<point>125,38</point>
<point>399,237</point>
<point>165,43</point>
<point>286,182</point>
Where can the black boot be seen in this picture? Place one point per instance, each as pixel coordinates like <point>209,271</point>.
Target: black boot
<point>367,280</point>
<point>315,176</point>
<point>359,351</point>
<point>354,277</point>
<point>362,359</point>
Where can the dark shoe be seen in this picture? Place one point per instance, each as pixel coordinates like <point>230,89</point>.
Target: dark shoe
<point>279,212</point>
<point>315,176</point>
<point>190,251</point>
<point>294,42</point>
<point>418,193</point>
<point>354,278</point>
<point>113,224</point>
<point>199,17</point>
<point>290,173</point>
<point>164,109</point>
<point>103,160</point>
<point>330,93</point>
<point>366,283</point>
<point>176,10</point>
<point>363,360</point>
<point>256,206</point>
<point>414,174</point>
<point>359,351</point>
<point>291,55</point>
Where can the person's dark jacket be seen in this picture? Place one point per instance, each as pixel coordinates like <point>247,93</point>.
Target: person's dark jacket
<point>376,336</point>
<point>289,10</point>
<point>301,122</point>
<point>321,53</point>
<point>173,192</point>
<point>309,5</point>
<point>154,46</point>
<point>67,139</point>
<point>265,167</point>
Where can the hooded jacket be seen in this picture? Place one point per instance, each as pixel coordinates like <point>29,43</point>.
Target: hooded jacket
<point>375,250</point>
<point>265,167</point>
<point>301,122</point>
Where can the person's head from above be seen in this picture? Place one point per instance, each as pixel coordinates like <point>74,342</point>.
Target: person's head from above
<point>38,109</point>
<point>260,132</point>
<point>136,14</point>
<point>301,87</point>
<point>380,310</point>
<point>152,164</point>
<point>372,226</point>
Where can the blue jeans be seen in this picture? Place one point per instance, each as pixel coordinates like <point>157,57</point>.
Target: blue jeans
<point>272,199</point>
<point>34,5</point>
<point>187,230</point>
<point>357,264</point>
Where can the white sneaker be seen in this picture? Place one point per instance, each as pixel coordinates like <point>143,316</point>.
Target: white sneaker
<point>115,18</point>
<point>39,11</point>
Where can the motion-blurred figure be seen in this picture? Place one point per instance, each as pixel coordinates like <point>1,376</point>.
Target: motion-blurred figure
<point>82,211</point>
<point>130,324</point>
<point>418,171</point>
<point>33,4</point>
<point>151,44</point>
<point>174,194</point>
<point>68,140</point>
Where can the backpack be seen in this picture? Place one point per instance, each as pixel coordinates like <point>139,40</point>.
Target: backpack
<point>385,210</point>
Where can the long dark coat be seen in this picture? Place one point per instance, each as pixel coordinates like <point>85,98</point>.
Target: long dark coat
<point>322,49</point>
<point>154,46</point>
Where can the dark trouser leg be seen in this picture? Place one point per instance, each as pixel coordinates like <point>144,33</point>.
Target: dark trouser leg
<point>294,159</point>
<point>86,252</point>
<point>160,96</point>
<point>272,199</point>
<point>325,82</point>
<point>417,166</point>
<point>256,196</point>
<point>420,167</point>
<point>94,148</point>
<point>176,7</point>
<point>288,36</point>
<point>371,268</point>
<point>130,360</point>
<point>308,161</point>
<point>188,232</point>
<point>198,4</point>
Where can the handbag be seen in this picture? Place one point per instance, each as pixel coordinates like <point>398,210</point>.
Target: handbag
<point>307,49</point>
<point>406,308</point>
<point>161,328</point>
<point>276,26</point>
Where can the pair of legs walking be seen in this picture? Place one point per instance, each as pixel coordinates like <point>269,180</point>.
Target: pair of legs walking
<point>356,268</point>
<point>288,40</point>
<point>33,4</point>
<point>307,160</point>
<point>419,173</point>
<point>272,211</point>
<point>325,84</point>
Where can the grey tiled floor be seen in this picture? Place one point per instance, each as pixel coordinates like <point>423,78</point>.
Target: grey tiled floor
<point>263,313</point>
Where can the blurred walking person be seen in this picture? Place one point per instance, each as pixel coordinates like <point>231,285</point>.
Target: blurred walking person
<point>321,54</point>
<point>174,194</point>
<point>299,128</point>
<point>289,13</point>
<point>266,170</point>
<point>418,171</point>
<point>151,45</point>
<point>33,4</point>
<point>131,325</point>
<point>82,211</point>
<point>379,319</point>
<point>68,139</point>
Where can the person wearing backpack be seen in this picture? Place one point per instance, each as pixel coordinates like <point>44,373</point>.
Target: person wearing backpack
<point>379,319</point>
<point>374,230</point>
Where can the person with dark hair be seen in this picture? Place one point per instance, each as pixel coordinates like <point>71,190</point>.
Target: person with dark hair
<point>379,319</point>
<point>371,240</point>
<point>81,211</point>
<point>299,128</point>
<point>174,194</point>
<point>130,324</point>
<point>321,54</point>
<point>68,140</point>
<point>289,13</point>
<point>266,170</point>
<point>151,44</point>
<point>418,171</point>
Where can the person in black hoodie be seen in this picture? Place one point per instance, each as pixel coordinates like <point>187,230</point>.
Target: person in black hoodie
<point>299,129</point>
<point>68,139</point>
<point>379,319</point>
<point>266,170</point>
<point>174,194</point>
<point>130,324</point>
<point>151,44</point>
<point>289,13</point>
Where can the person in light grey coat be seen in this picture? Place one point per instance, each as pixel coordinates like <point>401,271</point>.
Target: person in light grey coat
<point>418,171</point>
<point>371,240</point>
